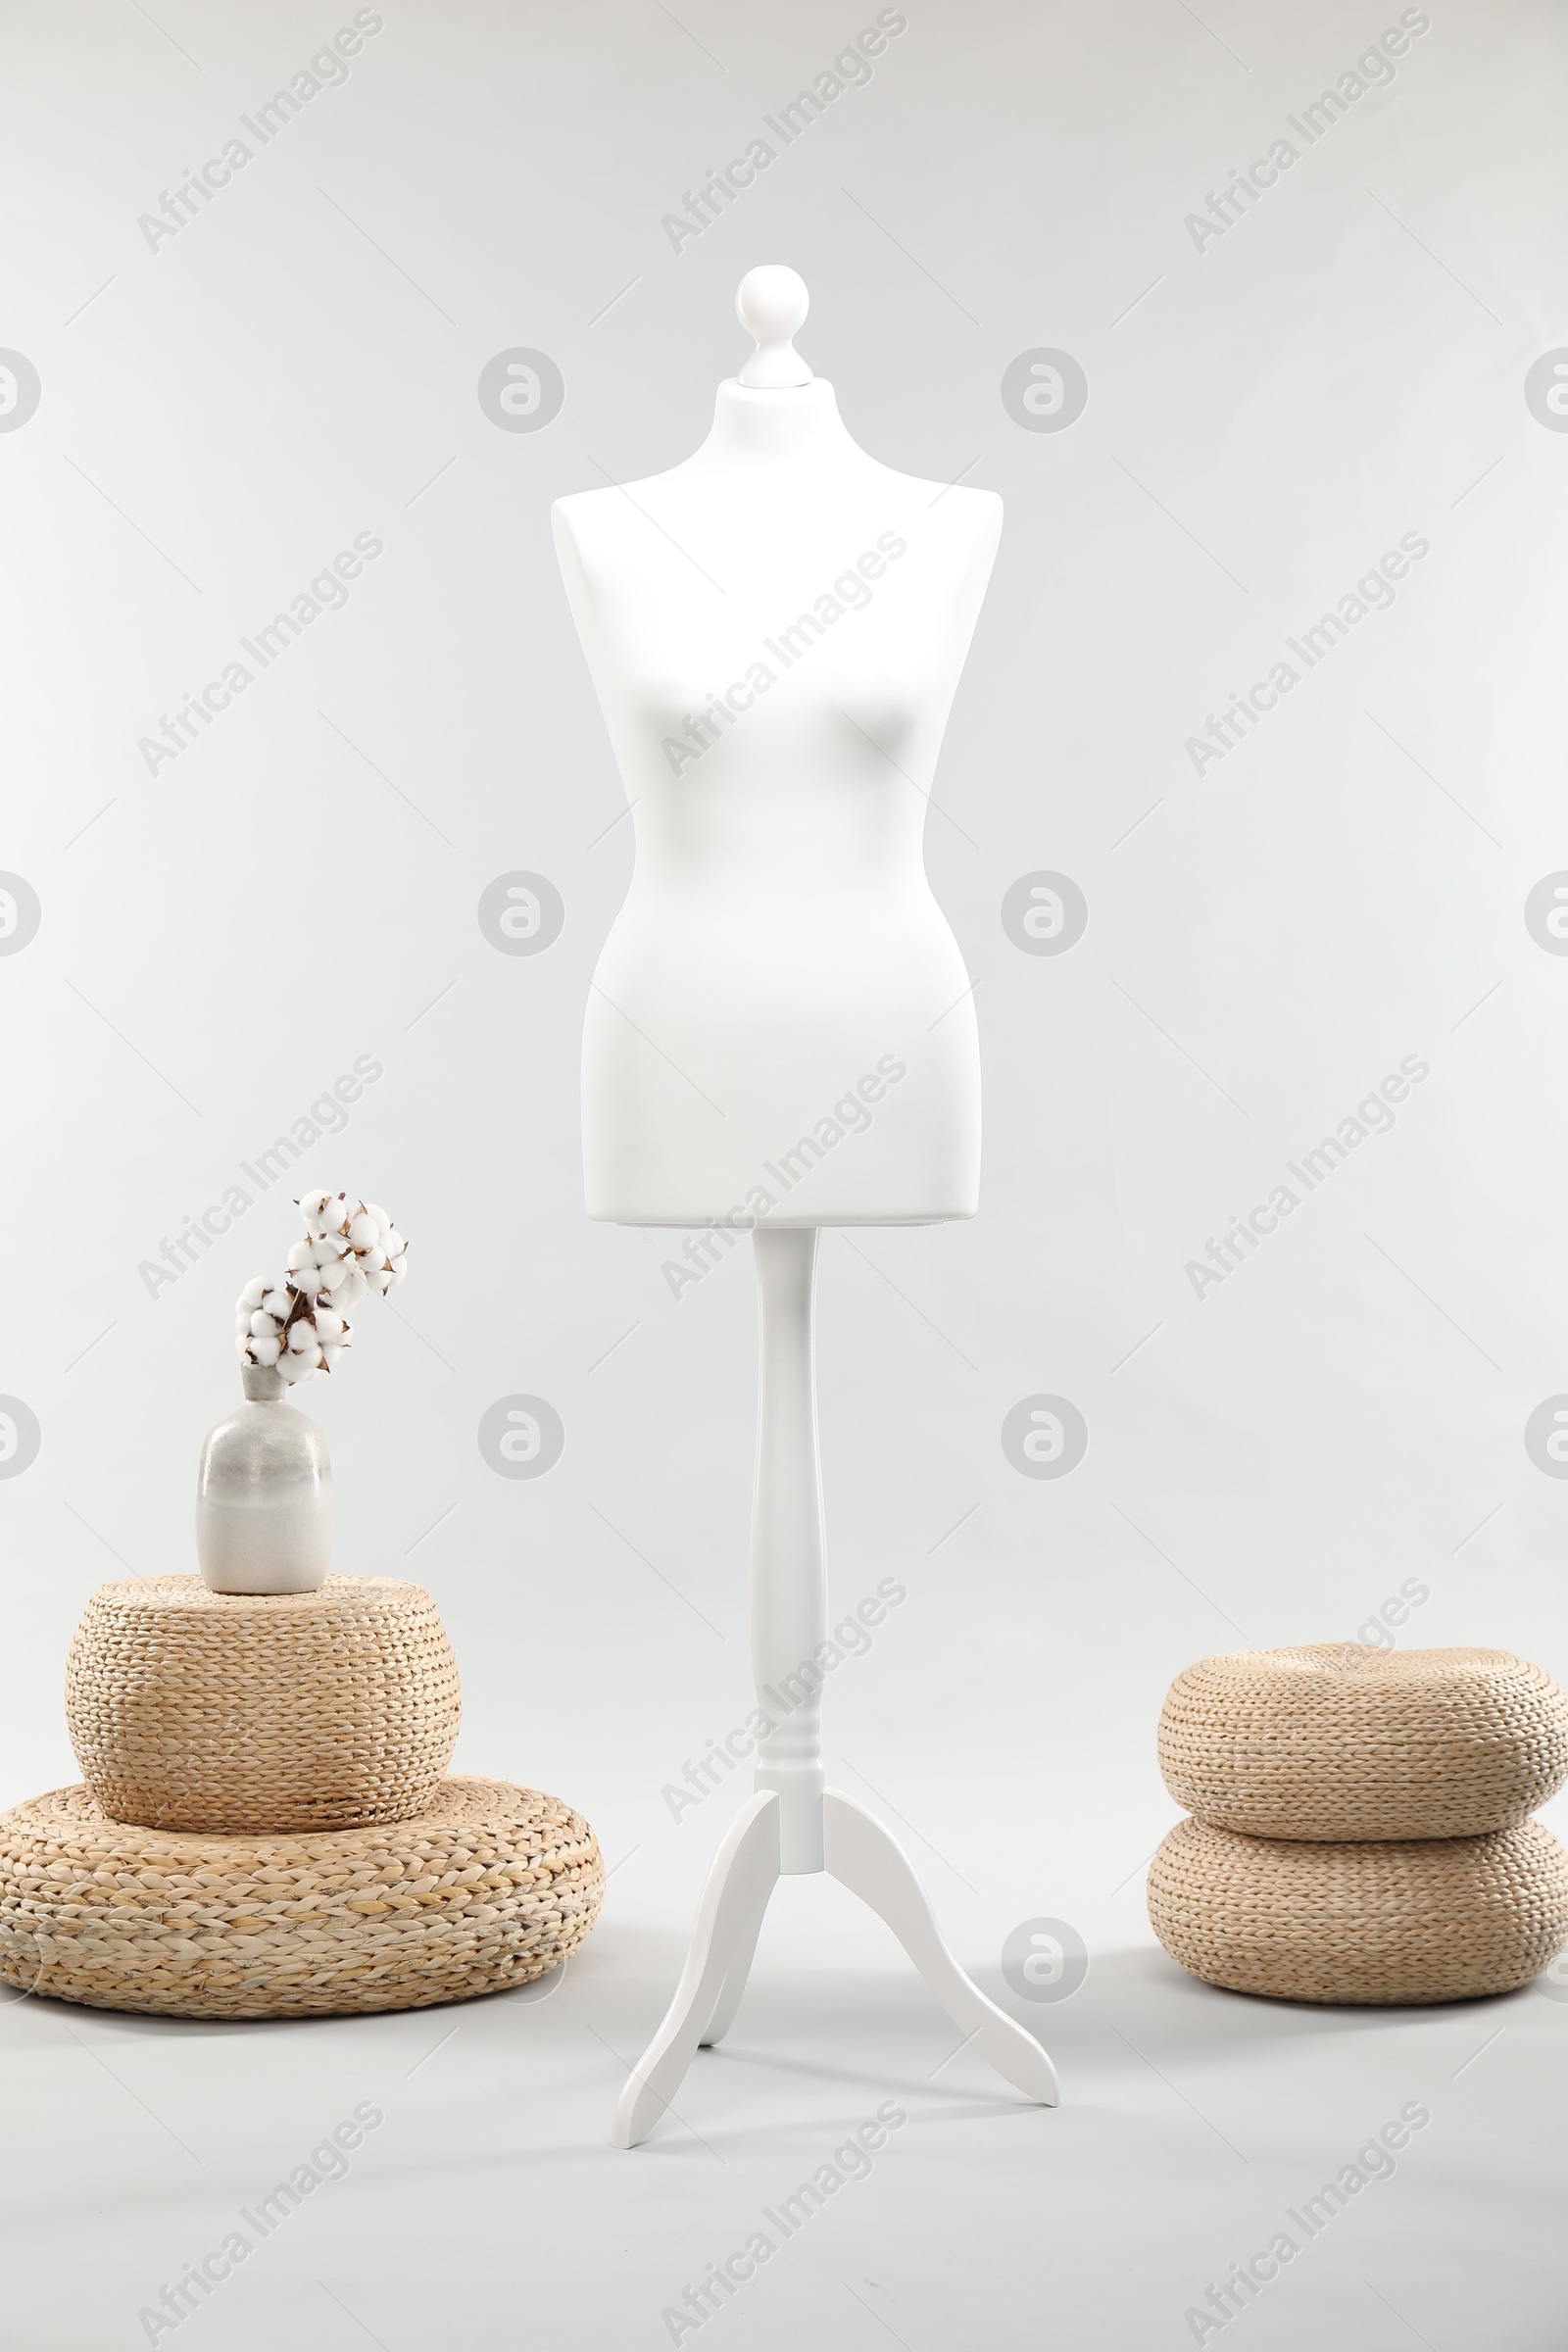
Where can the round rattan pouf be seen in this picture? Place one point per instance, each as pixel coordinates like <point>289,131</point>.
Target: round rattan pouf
<point>1418,1919</point>
<point>491,1885</point>
<point>1345,1741</point>
<point>243,1712</point>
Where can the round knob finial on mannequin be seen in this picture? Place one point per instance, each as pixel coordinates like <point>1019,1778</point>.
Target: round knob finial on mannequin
<point>771,304</point>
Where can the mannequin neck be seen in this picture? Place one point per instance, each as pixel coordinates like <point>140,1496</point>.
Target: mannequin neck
<point>802,422</point>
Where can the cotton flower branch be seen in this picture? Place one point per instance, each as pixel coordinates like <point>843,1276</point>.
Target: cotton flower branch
<point>298,1326</point>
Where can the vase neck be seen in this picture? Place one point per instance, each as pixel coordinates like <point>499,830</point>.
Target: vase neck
<point>263,1383</point>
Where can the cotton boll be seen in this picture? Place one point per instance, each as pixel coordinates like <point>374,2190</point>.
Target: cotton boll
<point>352,1289</point>
<point>364,1231</point>
<point>254,1292</point>
<point>263,1349</point>
<point>318,1211</point>
<point>331,1356</point>
<point>329,1326</point>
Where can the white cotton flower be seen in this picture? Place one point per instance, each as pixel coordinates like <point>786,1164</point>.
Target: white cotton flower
<point>325,1212</point>
<point>299,1325</point>
<point>313,1207</point>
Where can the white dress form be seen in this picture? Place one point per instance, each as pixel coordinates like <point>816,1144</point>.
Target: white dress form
<point>779,1034</point>
<point>780,1023</point>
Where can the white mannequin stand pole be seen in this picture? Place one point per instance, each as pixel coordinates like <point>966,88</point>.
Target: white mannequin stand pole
<point>794,1824</point>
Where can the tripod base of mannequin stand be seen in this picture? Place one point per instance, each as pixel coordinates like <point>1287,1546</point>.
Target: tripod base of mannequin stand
<point>861,1855</point>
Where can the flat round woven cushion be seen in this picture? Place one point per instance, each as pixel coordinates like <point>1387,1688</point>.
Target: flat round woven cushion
<point>490,1887</point>
<point>245,1711</point>
<point>1431,1919</point>
<point>1347,1740</point>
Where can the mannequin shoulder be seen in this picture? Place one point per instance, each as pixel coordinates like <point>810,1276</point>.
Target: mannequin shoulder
<point>972,514</point>
<point>589,535</point>
<point>582,518</point>
<point>966,519</point>
<point>602,531</point>
<point>967,524</point>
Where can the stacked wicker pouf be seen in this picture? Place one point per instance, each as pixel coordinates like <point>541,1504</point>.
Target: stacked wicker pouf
<point>267,1830</point>
<point>1360,1822</point>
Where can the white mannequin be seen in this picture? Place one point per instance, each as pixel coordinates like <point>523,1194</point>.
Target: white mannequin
<point>779,939</point>
<point>780,1033</point>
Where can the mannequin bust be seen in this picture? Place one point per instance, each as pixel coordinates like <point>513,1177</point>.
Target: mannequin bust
<point>780,1033</point>
<point>780,1026</point>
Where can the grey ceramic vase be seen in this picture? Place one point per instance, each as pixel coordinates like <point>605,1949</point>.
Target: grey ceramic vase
<point>264,1495</point>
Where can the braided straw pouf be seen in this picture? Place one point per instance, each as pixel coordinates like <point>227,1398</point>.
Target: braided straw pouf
<point>246,1712</point>
<point>1409,1919</point>
<point>1345,1740</point>
<point>491,1885</point>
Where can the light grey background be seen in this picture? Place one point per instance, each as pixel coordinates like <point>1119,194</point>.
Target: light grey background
<point>1266,1463</point>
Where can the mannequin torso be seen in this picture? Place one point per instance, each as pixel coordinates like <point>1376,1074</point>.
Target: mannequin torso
<point>779,1026</point>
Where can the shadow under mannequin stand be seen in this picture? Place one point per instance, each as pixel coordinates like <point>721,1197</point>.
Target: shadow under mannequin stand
<point>795,1825</point>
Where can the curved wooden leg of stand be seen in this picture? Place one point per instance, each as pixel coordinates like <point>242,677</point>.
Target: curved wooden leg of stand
<point>734,1898</point>
<point>867,1859</point>
<point>734,1985</point>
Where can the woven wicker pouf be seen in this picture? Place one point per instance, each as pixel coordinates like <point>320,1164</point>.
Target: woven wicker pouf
<point>1345,1740</point>
<point>1422,1920</point>
<point>490,1885</point>
<point>244,1712</point>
